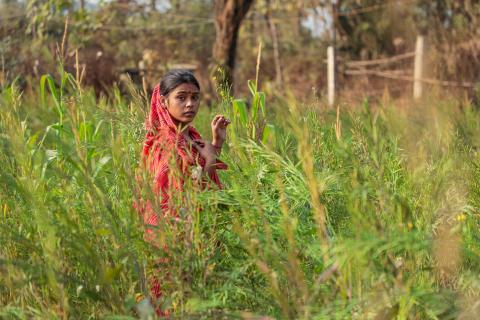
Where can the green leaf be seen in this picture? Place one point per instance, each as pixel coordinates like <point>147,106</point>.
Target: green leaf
<point>252,86</point>
<point>240,109</point>
<point>56,126</point>
<point>262,103</point>
<point>73,82</point>
<point>267,131</point>
<point>43,79</point>
<point>102,232</point>
<point>53,89</point>
<point>255,105</point>
<point>97,128</point>
<point>86,131</point>
<point>101,163</point>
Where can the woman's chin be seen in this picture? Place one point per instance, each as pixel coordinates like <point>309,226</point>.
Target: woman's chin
<point>183,121</point>
<point>187,119</point>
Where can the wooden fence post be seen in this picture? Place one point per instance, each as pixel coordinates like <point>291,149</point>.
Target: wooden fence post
<point>331,75</point>
<point>418,68</point>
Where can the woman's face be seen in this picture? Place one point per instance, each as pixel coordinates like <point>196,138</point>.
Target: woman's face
<point>182,103</point>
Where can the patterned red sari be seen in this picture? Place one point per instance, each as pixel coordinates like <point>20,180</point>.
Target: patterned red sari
<point>169,159</point>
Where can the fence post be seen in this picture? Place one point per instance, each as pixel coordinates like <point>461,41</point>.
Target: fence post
<point>418,67</point>
<point>331,75</point>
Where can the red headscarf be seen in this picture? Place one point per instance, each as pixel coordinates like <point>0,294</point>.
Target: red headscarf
<point>162,142</point>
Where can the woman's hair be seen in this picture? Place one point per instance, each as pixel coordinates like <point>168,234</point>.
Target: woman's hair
<point>174,78</point>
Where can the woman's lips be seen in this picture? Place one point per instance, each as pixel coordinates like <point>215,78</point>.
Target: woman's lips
<point>189,113</point>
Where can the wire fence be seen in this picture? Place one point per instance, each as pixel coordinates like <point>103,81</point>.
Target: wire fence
<point>375,67</point>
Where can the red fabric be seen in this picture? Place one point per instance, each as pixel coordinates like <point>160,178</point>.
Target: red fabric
<point>162,142</point>
<point>165,146</point>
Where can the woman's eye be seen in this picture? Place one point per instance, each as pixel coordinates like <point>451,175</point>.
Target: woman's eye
<point>181,98</point>
<point>195,98</point>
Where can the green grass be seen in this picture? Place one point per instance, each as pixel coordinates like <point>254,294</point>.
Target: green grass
<point>378,221</point>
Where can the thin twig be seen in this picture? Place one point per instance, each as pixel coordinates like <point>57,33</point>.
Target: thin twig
<point>364,63</point>
<point>258,63</point>
<point>411,79</point>
<point>64,38</point>
<point>361,72</point>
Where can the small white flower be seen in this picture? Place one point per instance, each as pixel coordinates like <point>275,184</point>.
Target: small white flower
<point>196,172</point>
<point>97,287</point>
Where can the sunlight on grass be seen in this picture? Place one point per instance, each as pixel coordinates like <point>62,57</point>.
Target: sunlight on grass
<point>371,215</point>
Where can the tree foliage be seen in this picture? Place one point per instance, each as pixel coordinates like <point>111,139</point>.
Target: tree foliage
<point>129,37</point>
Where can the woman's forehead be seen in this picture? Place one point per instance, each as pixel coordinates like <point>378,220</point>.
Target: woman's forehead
<point>187,88</point>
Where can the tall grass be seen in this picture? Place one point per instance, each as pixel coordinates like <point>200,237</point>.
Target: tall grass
<point>371,213</point>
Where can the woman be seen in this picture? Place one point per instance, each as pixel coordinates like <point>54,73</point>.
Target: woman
<point>174,151</point>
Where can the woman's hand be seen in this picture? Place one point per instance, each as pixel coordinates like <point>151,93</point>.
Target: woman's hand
<point>207,151</point>
<point>219,130</point>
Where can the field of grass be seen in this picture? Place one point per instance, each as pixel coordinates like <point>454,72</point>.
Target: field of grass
<point>369,214</point>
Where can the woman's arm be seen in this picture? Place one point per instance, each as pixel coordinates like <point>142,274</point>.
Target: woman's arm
<point>211,151</point>
<point>219,132</point>
<point>208,152</point>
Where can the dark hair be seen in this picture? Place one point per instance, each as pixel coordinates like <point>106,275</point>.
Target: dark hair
<point>176,77</point>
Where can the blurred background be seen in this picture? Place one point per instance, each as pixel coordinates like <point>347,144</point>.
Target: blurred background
<point>374,43</point>
<point>370,210</point>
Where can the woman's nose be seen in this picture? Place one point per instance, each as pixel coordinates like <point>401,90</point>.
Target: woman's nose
<point>190,103</point>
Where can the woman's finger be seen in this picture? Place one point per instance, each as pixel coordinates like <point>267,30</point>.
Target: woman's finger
<point>216,119</point>
<point>224,123</point>
<point>220,123</point>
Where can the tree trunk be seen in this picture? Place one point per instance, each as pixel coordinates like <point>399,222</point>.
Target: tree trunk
<point>276,50</point>
<point>228,18</point>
